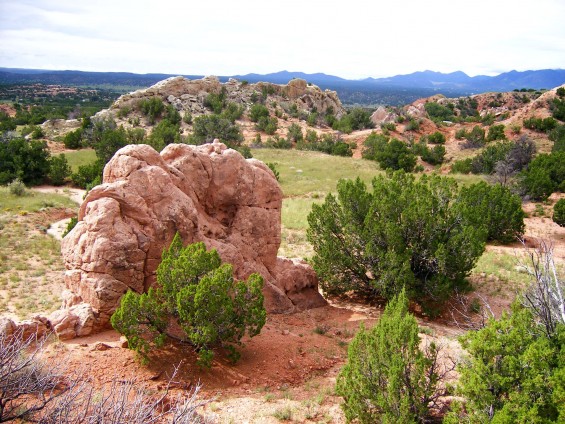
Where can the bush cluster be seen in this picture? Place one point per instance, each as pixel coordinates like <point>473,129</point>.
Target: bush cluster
<point>389,153</point>
<point>327,143</point>
<point>27,160</point>
<point>545,174</point>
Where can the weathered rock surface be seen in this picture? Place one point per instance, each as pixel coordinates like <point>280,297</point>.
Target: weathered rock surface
<point>55,127</point>
<point>189,95</point>
<point>207,193</point>
<point>382,116</point>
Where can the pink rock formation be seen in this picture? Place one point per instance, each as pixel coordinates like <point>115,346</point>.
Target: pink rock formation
<point>207,193</point>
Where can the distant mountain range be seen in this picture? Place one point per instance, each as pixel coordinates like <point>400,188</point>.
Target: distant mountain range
<point>394,90</point>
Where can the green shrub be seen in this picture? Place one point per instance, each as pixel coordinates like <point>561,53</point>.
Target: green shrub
<point>495,208</point>
<point>187,118</point>
<point>312,119</point>
<point>462,166</point>
<point>545,174</point>
<point>461,134</point>
<point>87,174</point>
<point>376,243</point>
<point>208,127</point>
<point>389,126</point>
<point>277,142</point>
<point>267,124</point>
<point>59,169</point>
<point>359,119</point>
<point>557,135</point>
<point>413,125</point>
<point>172,115</point>
<point>387,378</point>
<point>436,138</point>
<point>539,124</point>
<point>17,188</point>
<point>557,107</point>
<point>244,150</point>
<point>438,112</point>
<point>232,112</point>
<point>199,294</point>
<point>23,159</point>
<point>72,224</point>
<point>486,161</point>
<point>390,154</point>
<point>153,108</point>
<point>434,156</point>
<point>110,141</point>
<point>294,133</point>
<point>257,112</point>
<point>355,119</point>
<point>513,373</point>
<point>37,133</point>
<point>559,213</point>
<point>327,143</point>
<point>163,134</point>
<point>135,135</point>
<point>496,132</point>
<point>273,167</point>
<point>475,138</point>
<point>6,122</point>
<point>372,144</point>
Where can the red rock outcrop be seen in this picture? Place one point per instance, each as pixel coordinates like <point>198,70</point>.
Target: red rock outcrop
<point>207,193</point>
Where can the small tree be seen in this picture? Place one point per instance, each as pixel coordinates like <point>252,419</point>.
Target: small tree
<point>294,133</point>
<point>436,138</point>
<point>59,169</point>
<point>153,108</point>
<point>201,296</point>
<point>406,233</point>
<point>111,140</point>
<point>257,112</point>
<point>396,155</point>
<point>387,378</point>
<point>23,159</point>
<point>73,139</point>
<point>510,374</point>
<point>163,134</point>
<point>495,208</point>
<point>559,213</point>
<point>496,132</point>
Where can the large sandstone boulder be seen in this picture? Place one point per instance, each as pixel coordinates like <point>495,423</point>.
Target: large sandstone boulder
<point>207,193</point>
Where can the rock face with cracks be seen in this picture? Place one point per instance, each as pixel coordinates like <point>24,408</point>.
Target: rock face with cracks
<point>207,193</point>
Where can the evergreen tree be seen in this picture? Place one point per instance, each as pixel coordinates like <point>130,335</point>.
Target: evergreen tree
<point>387,378</point>
<point>199,294</point>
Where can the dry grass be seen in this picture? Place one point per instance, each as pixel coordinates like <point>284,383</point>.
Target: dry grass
<point>30,260</point>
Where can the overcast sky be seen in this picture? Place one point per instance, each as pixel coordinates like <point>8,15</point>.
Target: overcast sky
<point>348,38</point>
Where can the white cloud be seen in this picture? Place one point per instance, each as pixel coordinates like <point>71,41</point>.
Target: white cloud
<point>351,39</point>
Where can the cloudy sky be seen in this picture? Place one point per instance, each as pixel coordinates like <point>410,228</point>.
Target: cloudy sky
<point>348,38</point>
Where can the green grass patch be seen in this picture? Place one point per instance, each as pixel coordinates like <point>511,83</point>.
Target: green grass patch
<point>496,269</point>
<point>295,211</point>
<point>32,201</point>
<point>313,173</point>
<point>80,157</point>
